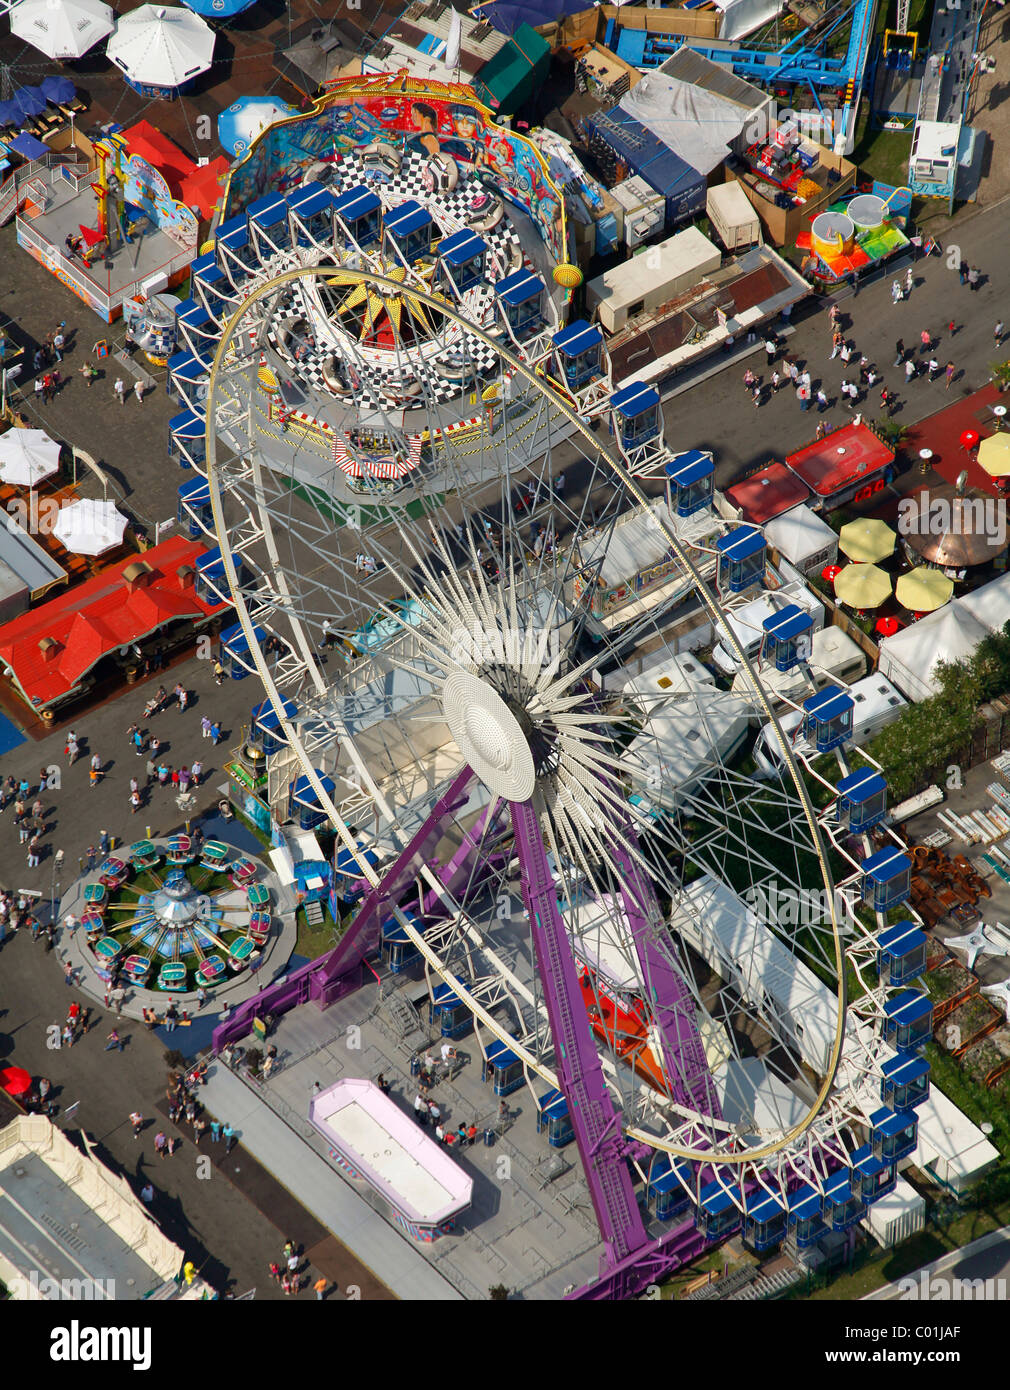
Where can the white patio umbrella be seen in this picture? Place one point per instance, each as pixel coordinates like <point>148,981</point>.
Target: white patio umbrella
<point>161,46</point>
<point>88,527</point>
<point>61,28</point>
<point>27,456</point>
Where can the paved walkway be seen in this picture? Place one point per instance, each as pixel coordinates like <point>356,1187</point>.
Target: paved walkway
<point>392,1259</point>
<point>986,1258</point>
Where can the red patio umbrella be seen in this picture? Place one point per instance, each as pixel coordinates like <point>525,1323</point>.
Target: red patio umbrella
<point>887,627</point>
<point>970,439</point>
<point>15,1081</point>
<point>831,572</point>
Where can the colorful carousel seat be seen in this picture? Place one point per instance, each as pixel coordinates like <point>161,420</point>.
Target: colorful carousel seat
<point>143,854</point>
<point>240,952</point>
<point>214,856</point>
<point>259,926</point>
<point>210,970</point>
<point>113,872</point>
<point>137,968</point>
<point>257,895</point>
<point>172,975</point>
<point>242,872</point>
<point>107,949</point>
<point>92,921</point>
<point>96,897</point>
<point>179,849</point>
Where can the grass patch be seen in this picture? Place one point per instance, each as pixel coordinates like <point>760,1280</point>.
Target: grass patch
<point>314,941</point>
<point>882,154</point>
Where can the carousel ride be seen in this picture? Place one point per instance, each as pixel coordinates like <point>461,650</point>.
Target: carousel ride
<point>533,794</point>
<point>173,918</point>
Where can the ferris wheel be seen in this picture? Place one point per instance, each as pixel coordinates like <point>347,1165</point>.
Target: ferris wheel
<point>472,615</point>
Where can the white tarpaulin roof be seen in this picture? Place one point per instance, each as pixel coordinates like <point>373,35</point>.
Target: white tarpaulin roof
<point>696,124</point>
<point>800,532</point>
<point>740,17</point>
<point>990,604</point>
<point>909,658</point>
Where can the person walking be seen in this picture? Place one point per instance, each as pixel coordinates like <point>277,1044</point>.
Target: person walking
<point>171,1017</point>
<point>911,371</point>
<point>749,381</point>
<point>320,1287</point>
<point>962,271</point>
<point>932,369</point>
<point>201,998</point>
<point>138,391</point>
<point>909,282</point>
<point>215,1131</point>
<point>837,343</point>
<point>137,1121</point>
<point>974,277</point>
<point>205,727</point>
<point>134,803</point>
<point>113,1041</point>
<point>896,295</point>
<point>275,1271</point>
<point>215,732</point>
<point>822,399</point>
<point>999,333</point>
<point>899,352</point>
<point>196,772</point>
<point>771,348</point>
<point>119,387</point>
<point>948,372</point>
<point>161,1143</point>
<point>926,339</point>
<point>59,343</point>
<point>33,852</point>
<point>229,1138</point>
<point>68,973</point>
<point>834,314</point>
<point>776,382</point>
<point>803,396</point>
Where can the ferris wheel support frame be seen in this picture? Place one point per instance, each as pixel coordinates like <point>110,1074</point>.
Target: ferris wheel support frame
<point>296,987</point>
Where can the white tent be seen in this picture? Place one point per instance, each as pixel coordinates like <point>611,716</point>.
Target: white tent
<point>697,124</point>
<point>804,538</point>
<point>89,528</point>
<point>989,605</point>
<point>61,29</point>
<point>161,46</point>
<point>740,17</point>
<point>683,742</point>
<point>27,456</point>
<point>909,658</point>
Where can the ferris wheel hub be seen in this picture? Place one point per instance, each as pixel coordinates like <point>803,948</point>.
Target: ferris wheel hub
<point>489,736</point>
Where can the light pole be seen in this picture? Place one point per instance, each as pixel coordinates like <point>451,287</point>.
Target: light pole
<point>54,885</point>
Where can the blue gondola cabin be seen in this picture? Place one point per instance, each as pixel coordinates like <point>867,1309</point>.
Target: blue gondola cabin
<point>397,948</point>
<point>901,954</point>
<point>360,210</point>
<point>520,296</point>
<point>554,1120</point>
<point>193,511</point>
<point>461,260</point>
<point>764,1225</point>
<point>669,1190</point>
<point>843,1207</point>
<point>303,801</point>
<point>718,1215</point>
<point>635,410</point>
<point>690,480</point>
<point>267,726</point>
<point>806,1221</point>
<point>787,636</point>
<point>741,558</point>
<point>904,1081</point>
<point>871,1177</point>
<point>235,655</point>
<point>887,878</point>
<point>579,349</point>
<point>894,1134</point>
<point>448,1013</point>
<point>862,800</point>
<point>827,718</point>
<point>908,1021</point>
<point>504,1068</point>
<point>410,231</point>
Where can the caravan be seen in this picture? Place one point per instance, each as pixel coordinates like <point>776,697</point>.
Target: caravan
<point>833,656</point>
<point>876,702</point>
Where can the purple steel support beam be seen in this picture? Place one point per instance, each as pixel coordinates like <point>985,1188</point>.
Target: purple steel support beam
<point>457,873</point>
<point>673,1009</point>
<point>600,1142</point>
<point>658,1260</point>
<point>339,972</point>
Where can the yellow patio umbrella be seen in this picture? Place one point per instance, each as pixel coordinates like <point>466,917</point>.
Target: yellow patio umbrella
<point>994,455</point>
<point>866,539</point>
<point>923,589</point>
<point>862,586</point>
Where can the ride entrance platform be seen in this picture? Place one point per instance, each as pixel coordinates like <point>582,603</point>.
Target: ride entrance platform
<point>530,1223</point>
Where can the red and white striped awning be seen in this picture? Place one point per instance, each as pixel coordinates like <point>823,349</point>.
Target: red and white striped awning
<point>389,467</point>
